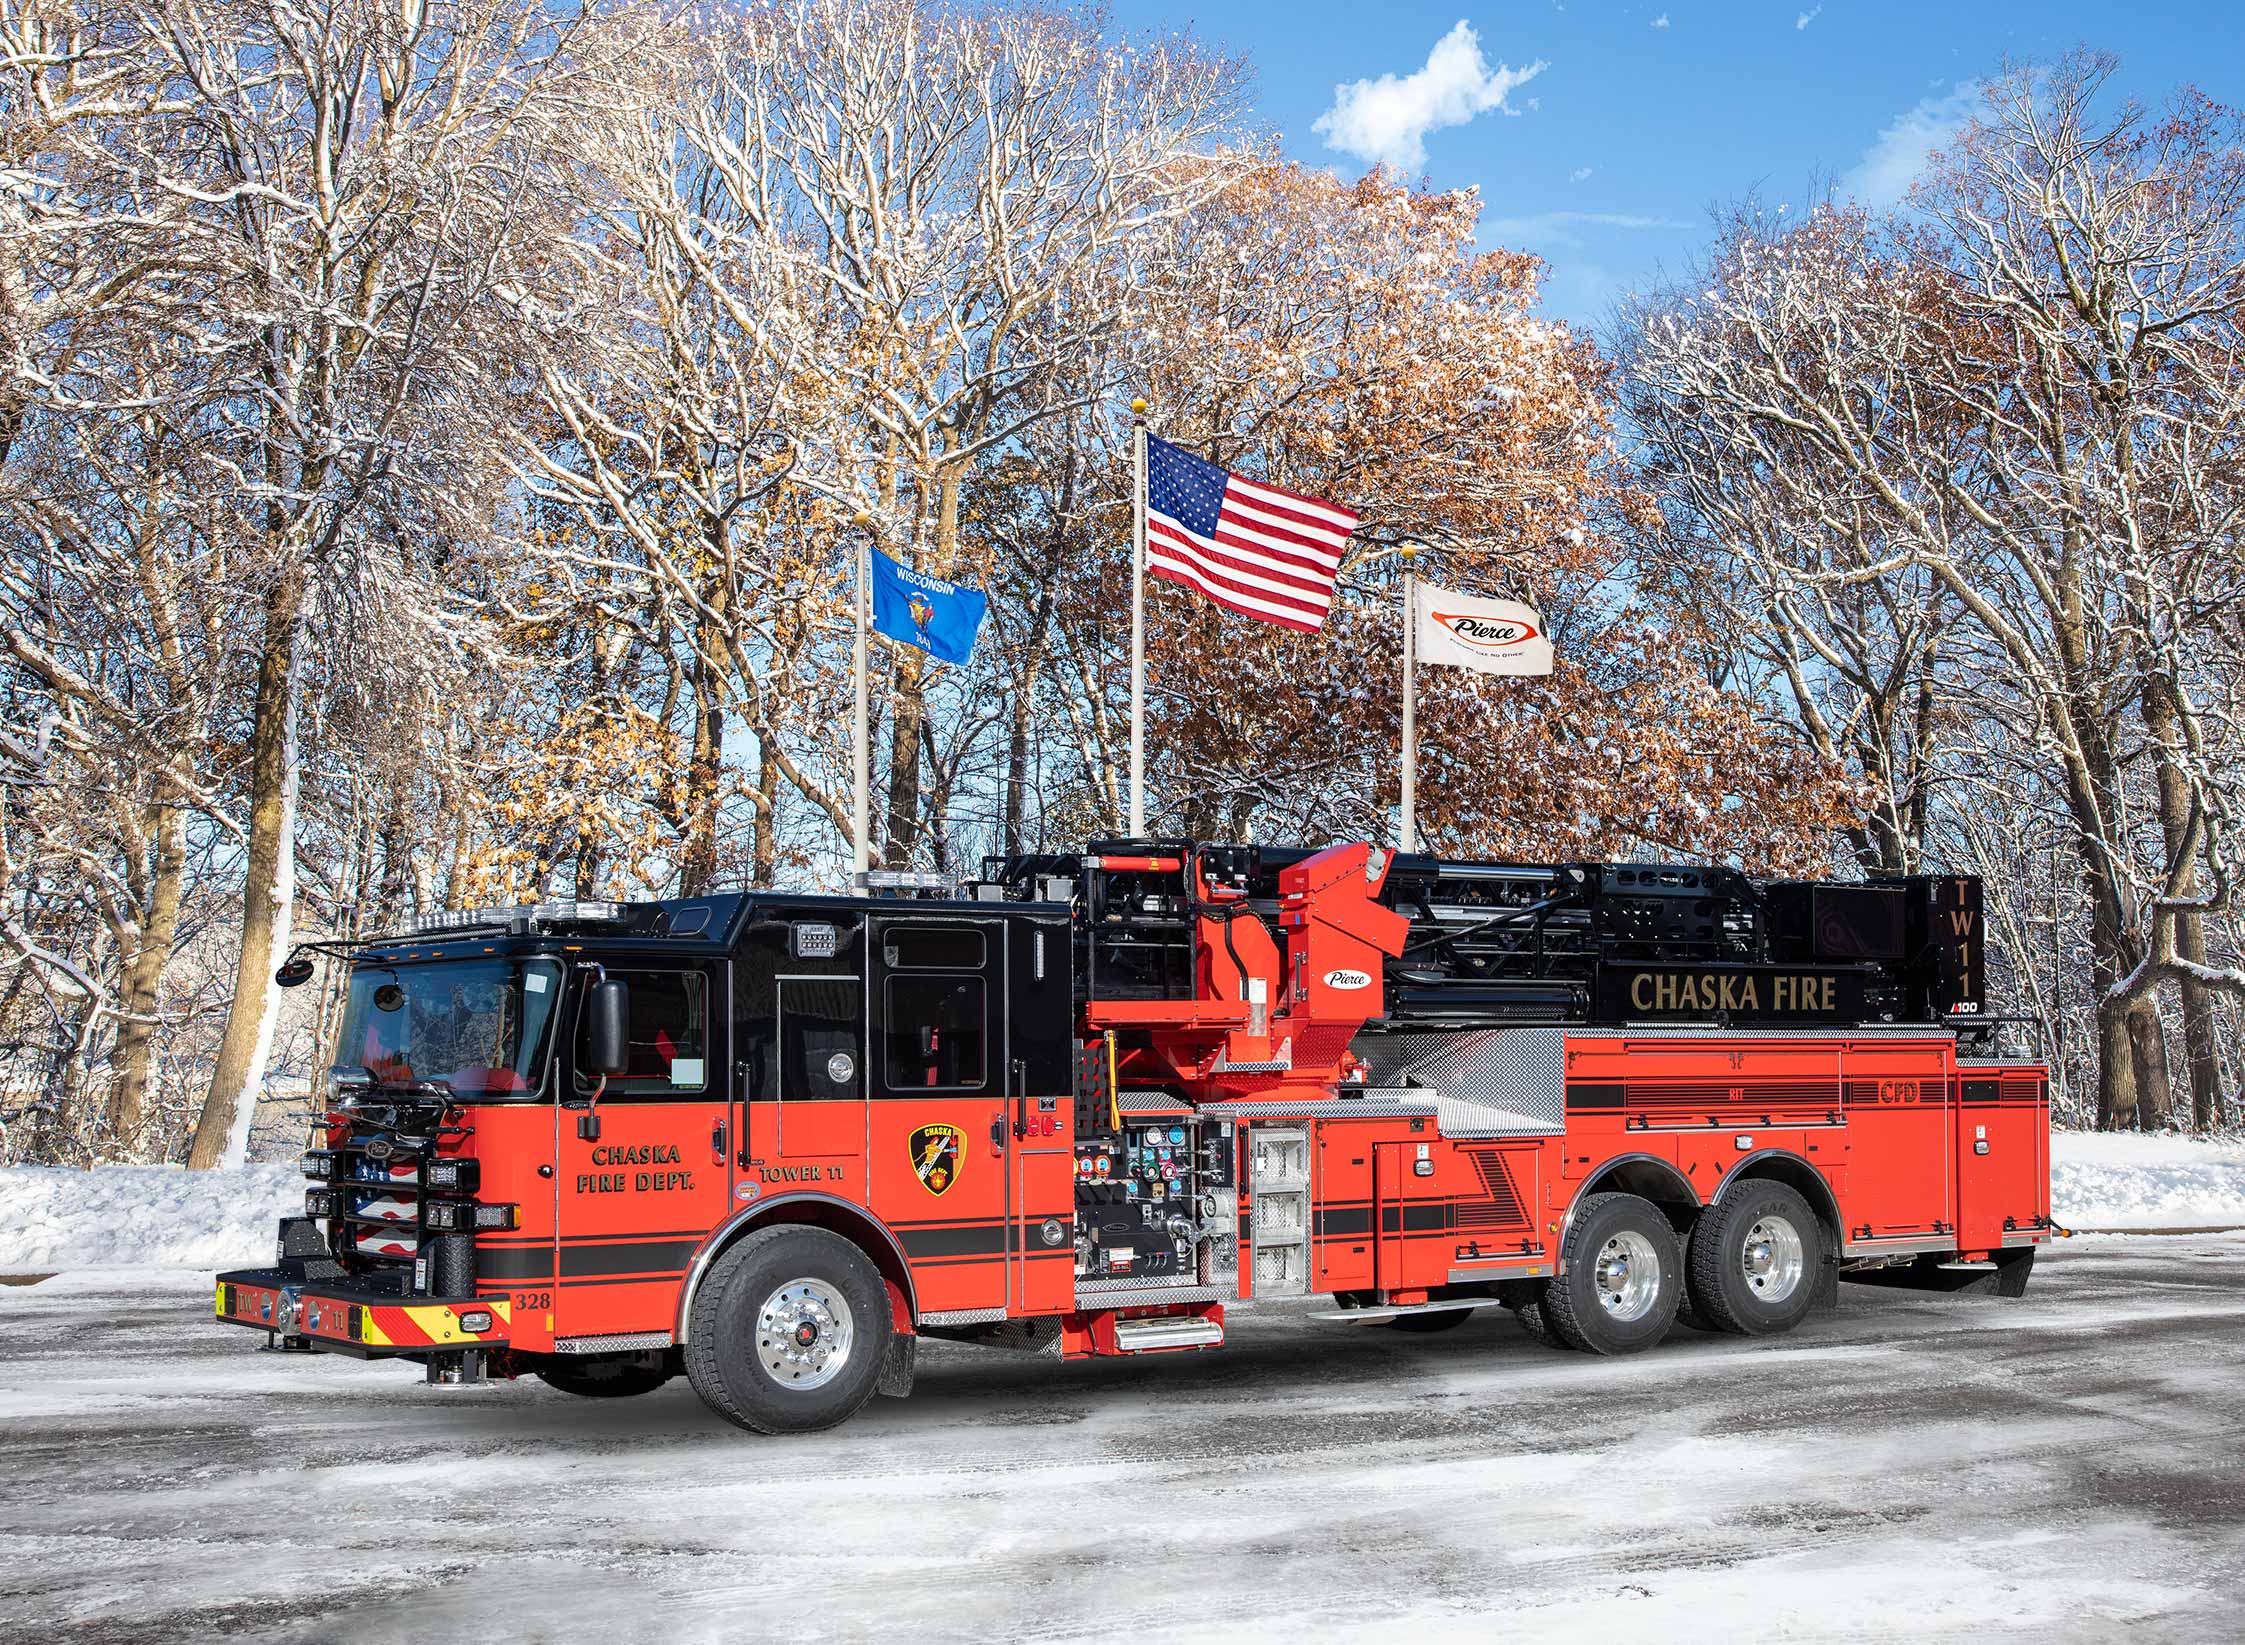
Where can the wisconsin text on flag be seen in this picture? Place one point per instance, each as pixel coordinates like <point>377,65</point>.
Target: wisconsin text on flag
<point>1252,548</point>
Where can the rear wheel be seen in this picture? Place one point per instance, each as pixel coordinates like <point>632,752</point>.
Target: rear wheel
<point>1427,1324</point>
<point>1756,1256</point>
<point>1623,1278</point>
<point>788,1332</point>
<point>610,1378</point>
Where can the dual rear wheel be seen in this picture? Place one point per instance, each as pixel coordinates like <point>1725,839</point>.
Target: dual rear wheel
<point>1750,1265</point>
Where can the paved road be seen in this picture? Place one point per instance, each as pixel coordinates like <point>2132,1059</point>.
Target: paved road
<point>2066,1467</point>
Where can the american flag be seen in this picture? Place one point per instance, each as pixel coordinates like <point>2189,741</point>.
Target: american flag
<point>1250,547</point>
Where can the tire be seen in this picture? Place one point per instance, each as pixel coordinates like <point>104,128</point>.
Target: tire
<point>788,1332</point>
<point>1427,1324</point>
<point>1530,1316</point>
<point>609,1378</point>
<point>1756,1256</point>
<point>1623,1277</point>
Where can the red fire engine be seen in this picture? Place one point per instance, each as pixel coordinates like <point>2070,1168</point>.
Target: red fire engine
<point>1088,1104</point>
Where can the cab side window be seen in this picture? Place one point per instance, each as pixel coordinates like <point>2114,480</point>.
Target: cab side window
<point>935,1032</point>
<point>669,1036</point>
<point>935,1008</point>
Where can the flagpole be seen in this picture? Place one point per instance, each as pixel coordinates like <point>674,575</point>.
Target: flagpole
<point>1410,831</point>
<point>861,800</point>
<point>1138,619</point>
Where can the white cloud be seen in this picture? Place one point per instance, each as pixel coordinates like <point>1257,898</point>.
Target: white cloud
<point>1808,17</point>
<point>1661,21</point>
<point>1561,229</point>
<point>1386,120</point>
<point>1890,165</point>
<point>1581,174</point>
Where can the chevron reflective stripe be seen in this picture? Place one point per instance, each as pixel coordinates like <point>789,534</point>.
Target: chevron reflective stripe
<point>426,1325</point>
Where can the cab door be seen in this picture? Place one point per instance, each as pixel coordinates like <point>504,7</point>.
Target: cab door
<point>1041,1046</point>
<point>799,1070</point>
<point>633,1202</point>
<point>939,1137</point>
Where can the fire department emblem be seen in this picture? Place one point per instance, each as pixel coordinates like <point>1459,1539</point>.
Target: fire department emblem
<point>936,1153</point>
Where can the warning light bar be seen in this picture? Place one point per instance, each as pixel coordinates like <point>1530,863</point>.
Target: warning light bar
<point>555,911</point>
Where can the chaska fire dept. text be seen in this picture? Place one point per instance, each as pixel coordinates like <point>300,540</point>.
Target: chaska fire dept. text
<point>616,1182</point>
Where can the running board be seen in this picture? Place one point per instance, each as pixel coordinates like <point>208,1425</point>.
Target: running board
<point>1373,1316</point>
<point>1140,1336</point>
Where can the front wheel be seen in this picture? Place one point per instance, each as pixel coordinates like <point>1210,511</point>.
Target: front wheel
<point>1756,1255</point>
<point>788,1332</point>
<point>1623,1277</point>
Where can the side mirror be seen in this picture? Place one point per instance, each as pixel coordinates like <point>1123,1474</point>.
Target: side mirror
<point>608,1028</point>
<point>295,974</point>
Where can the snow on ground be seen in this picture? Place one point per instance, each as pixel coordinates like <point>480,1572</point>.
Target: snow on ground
<point>2130,1180</point>
<point>142,1216</point>
<point>2055,1470</point>
<point>147,1216</point>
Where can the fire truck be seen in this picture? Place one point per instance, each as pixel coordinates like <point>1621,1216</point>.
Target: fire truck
<point>1097,1103</point>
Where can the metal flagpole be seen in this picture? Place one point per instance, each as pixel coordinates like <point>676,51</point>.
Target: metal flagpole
<point>1138,619</point>
<point>1410,840</point>
<point>861,802</point>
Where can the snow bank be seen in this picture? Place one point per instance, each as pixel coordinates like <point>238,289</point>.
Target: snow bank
<point>2129,1180</point>
<point>148,1216</point>
<point>142,1216</point>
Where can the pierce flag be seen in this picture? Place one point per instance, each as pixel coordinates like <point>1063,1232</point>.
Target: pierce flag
<point>939,617</point>
<point>1493,636</point>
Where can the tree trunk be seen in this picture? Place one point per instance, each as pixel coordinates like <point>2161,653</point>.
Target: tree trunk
<point>705,769</point>
<point>2116,1074</point>
<point>268,888</point>
<point>2200,1042</point>
<point>144,977</point>
<point>764,841</point>
<point>697,864</point>
<point>2147,1045</point>
<point>1024,716</point>
<point>2201,1037</point>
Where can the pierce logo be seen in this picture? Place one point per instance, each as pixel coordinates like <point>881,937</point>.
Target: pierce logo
<point>1347,979</point>
<point>1486,633</point>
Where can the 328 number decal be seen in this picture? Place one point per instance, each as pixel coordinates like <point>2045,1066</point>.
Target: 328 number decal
<point>533,1299</point>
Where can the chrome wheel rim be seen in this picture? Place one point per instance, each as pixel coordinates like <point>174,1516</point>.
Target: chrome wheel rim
<point>1627,1276</point>
<point>804,1334</point>
<point>1772,1257</point>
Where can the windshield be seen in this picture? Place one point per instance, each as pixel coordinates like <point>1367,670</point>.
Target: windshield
<point>477,1025</point>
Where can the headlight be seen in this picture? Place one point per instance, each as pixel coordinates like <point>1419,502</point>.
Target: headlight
<point>319,1202</point>
<point>319,1164</point>
<point>454,1176</point>
<point>445,1216</point>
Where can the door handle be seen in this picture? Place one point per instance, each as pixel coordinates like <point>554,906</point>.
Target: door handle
<point>998,1133</point>
<point>717,1142</point>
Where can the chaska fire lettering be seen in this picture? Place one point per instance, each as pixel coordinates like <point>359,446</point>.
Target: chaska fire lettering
<point>1729,991</point>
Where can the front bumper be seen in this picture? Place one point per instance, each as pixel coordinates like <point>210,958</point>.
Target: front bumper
<point>367,1324</point>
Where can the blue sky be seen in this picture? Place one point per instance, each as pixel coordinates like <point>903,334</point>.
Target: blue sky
<point>1606,159</point>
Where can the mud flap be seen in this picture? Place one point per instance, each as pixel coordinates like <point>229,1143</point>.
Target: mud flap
<point>896,1365</point>
<point>2006,1276</point>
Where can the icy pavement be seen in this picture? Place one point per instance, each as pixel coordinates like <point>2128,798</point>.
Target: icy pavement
<point>2064,1467</point>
